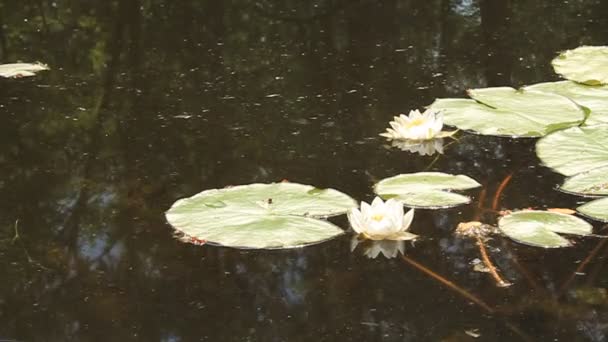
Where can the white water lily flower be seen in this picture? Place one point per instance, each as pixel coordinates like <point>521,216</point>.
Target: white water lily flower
<point>382,220</point>
<point>424,148</point>
<point>416,126</point>
<point>371,249</point>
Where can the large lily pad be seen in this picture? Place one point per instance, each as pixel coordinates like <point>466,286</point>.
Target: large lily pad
<point>585,64</point>
<point>278,215</point>
<point>597,209</point>
<point>540,228</point>
<point>505,111</point>
<point>426,189</point>
<point>575,150</point>
<point>593,97</point>
<point>16,70</point>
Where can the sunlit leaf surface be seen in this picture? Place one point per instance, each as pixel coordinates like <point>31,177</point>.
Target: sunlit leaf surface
<point>278,215</point>
<point>575,150</point>
<point>17,70</point>
<point>540,228</point>
<point>591,183</point>
<point>593,97</point>
<point>426,189</point>
<point>597,209</point>
<point>585,64</point>
<point>505,111</point>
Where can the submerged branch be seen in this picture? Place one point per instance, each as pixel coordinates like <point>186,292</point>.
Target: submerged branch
<point>449,284</point>
<point>493,270</point>
<point>499,191</point>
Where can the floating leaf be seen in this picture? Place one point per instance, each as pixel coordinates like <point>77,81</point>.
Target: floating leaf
<point>593,97</point>
<point>597,209</point>
<point>585,64</point>
<point>17,70</point>
<point>540,228</point>
<point>566,211</point>
<point>591,183</point>
<point>504,111</point>
<point>426,189</point>
<point>278,215</point>
<point>575,150</point>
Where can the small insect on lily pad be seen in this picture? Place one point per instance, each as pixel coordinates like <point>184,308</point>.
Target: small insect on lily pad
<point>277,215</point>
<point>540,228</point>
<point>597,210</point>
<point>17,70</point>
<point>585,64</point>
<point>426,190</point>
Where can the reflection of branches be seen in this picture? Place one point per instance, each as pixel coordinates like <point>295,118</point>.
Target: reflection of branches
<point>329,11</point>
<point>2,39</point>
<point>108,78</point>
<point>17,238</point>
<point>581,267</point>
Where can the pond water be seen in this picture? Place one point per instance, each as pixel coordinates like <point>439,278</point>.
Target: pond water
<point>151,101</point>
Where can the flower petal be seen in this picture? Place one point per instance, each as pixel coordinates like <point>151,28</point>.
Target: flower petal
<point>377,204</point>
<point>366,211</point>
<point>356,220</point>
<point>407,219</point>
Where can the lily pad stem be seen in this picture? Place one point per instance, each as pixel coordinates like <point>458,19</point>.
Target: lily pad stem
<point>486,261</point>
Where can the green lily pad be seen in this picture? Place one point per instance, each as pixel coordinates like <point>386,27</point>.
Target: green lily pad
<point>590,183</point>
<point>16,70</point>
<point>593,97</point>
<point>575,150</point>
<point>597,210</point>
<point>540,228</point>
<point>278,215</point>
<point>505,111</point>
<point>426,189</point>
<point>585,64</point>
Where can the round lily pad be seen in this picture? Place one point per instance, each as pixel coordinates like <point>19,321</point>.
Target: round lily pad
<point>540,228</point>
<point>585,64</point>
<point>278,215</point>
<point>426,189</point>
<point>597,210</point>
<point>505,111</point>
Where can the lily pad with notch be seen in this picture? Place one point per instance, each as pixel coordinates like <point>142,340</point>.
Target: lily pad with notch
<point>504,111</point>
<point>541,228</point>
<point>594,98</point>
<point>426,190</point>
<point>276,215</point>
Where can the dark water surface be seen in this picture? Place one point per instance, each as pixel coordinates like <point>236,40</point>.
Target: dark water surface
<point>151,101</point>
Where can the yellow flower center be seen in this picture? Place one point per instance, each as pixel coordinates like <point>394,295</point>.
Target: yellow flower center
<point>416,122</point>
<point>377,217</point>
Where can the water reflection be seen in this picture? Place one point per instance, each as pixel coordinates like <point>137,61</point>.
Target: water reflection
<point>148,102</point>
<point>423,148</point>
<point>372,248</point>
